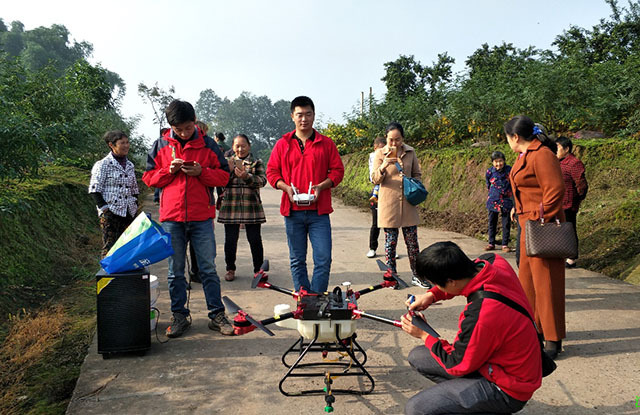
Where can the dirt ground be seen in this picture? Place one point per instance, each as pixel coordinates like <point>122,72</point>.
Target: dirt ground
<point>204,372</point>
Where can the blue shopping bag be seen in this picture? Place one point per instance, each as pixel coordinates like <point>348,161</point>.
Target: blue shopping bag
<point>143,243</point>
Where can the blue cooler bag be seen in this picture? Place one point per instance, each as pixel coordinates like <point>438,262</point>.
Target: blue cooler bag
<point>143,243</point>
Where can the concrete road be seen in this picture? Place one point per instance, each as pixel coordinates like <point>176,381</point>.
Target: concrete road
<point>204,372</point>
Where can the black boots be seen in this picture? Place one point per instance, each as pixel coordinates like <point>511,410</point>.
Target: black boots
<point>552,348</point>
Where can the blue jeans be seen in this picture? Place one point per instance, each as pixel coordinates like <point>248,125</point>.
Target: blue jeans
<point>202,238</point>
<point>298,225</point>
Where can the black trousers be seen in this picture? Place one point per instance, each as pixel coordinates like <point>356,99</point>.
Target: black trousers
<point>374,232</point>
<point>506,226</point>
<point>571,216</point>
<point>231,235</point>
<point>472,394</point>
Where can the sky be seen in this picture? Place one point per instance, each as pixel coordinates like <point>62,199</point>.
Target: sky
<point>329,50</point>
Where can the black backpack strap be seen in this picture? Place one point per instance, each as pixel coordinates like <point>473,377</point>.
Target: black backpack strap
<point>499,297</point>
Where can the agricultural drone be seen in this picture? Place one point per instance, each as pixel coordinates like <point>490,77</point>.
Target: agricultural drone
<point>326,323</point>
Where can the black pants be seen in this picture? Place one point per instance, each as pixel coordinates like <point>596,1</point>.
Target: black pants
<point>374,232</point>
<point>506,226</point>
<point>112,227</point>
<point>231,235</point>
<point>571,216</point>
<point>456,395</point>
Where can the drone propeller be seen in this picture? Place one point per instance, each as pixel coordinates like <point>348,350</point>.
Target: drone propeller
<point>258,277</point>
<point>420,323</point>
<point>234,308</point>
<point>384,267</point>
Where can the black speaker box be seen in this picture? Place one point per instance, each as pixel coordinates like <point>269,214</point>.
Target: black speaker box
<point>123,312</point>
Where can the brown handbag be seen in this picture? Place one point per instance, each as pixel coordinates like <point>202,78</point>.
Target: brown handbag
<point>550,240</point>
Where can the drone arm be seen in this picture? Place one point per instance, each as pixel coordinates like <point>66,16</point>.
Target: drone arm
<point>385,320</point>
<point>275,319</point>
<point>278,289</point>
<point>369,289</point>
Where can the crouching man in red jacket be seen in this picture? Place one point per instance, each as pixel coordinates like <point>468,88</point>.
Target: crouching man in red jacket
<point>494,364</point>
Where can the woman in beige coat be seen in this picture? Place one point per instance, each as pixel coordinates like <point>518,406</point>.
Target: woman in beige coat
<point>394,211</point>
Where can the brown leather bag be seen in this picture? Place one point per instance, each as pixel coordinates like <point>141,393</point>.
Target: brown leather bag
<point>550,240</point>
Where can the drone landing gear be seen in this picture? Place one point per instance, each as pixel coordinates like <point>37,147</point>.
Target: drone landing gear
<point>353,368</point>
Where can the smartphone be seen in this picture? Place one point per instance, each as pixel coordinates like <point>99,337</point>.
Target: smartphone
<point>189,163</point>
<point>239,163</point>
<point>393,152</point>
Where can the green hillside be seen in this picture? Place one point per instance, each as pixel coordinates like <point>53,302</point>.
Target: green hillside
<point>608,221</point>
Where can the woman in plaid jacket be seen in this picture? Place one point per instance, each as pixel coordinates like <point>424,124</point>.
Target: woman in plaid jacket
<point>241,205</point>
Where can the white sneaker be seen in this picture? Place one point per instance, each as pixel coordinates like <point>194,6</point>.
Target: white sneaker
<point>371,253</point>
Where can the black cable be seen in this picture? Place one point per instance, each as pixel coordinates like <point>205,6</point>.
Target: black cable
<point>156,330</point>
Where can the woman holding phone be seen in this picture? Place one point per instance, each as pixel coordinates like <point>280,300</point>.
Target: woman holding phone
<point>241,205</point>
<point>394,211</point>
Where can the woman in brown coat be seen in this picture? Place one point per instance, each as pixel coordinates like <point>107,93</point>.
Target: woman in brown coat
<point>394,211</point>
<point>536,179</point>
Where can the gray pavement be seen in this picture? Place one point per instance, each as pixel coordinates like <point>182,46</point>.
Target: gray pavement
<point>204,372</point>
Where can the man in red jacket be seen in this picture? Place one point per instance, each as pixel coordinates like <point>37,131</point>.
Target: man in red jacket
<point>494,364</point>
<point>187,165</point>
<point>304,160</point>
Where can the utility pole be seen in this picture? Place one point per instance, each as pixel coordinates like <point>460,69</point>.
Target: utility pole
<point>370,99</point>
<point>361,103</point>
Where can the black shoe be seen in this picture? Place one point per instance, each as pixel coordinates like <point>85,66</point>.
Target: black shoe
<point>179,324</point>
<point>552,348</point>
<point>568,265</point>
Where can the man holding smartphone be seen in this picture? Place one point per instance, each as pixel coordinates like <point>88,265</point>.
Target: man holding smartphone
<point>300,158</point>
<point>187,165</point>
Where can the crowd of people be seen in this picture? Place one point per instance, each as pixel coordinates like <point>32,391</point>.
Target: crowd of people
<point>494,364</point>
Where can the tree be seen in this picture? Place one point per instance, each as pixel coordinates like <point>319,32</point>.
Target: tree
<point>208,105</point>
<point>158,98</point>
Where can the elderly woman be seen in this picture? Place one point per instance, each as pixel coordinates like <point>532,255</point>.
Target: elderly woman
<point>114,188</point>
<point>536,179</point>
<point>241,205</point>
<point>394,211</point>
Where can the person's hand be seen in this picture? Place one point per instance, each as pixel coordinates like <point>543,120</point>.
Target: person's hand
<point>387,161</point>
<point>412,330</point>
<point>512,214</point>
<point>194,170</point>
<point>421,302</point>
<point>176,165</point>
<point>288,190</point>
<point>241,173</point>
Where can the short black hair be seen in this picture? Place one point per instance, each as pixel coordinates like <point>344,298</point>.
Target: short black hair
<point>179,112</point>
<point>444,261</point>
<point>245,137</point>
<point>302,101</point>
<point>110,137</point>
<point>394,126</point>
<point>379,140</point>
<point>565,142</point>
<point>496,155</point>
<point>219,136</point>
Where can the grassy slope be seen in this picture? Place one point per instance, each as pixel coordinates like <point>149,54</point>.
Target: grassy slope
<point>608,222</point>
<point>50,244</point>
